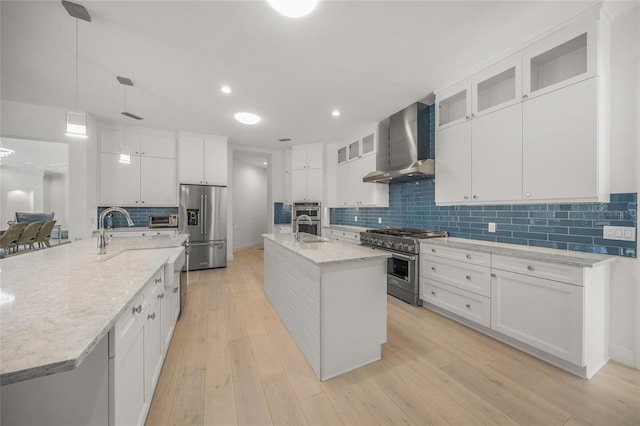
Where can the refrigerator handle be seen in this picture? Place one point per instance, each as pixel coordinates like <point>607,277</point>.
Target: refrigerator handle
<point>202,214</point>
<point>204,217</point>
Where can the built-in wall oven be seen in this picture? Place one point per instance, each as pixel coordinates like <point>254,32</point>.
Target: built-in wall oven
<point>403,274</point>
<point>312,209</point>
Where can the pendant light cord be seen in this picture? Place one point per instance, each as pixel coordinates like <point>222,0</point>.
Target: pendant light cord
<point>76,64</point>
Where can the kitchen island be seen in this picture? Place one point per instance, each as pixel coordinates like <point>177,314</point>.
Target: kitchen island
<point>58,312</point>
<point>332,297</point>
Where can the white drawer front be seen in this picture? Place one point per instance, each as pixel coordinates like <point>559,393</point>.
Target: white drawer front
<point>128,324</point>
<point>474,278</point>
<point>551,271</point>
<point>466,304</point>
<point>477,258</point>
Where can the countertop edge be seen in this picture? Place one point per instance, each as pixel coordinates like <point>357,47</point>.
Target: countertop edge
<point>565,257</point>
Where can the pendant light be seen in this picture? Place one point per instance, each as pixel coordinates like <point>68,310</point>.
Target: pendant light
<point>125,150</point>
<point>76,121</point>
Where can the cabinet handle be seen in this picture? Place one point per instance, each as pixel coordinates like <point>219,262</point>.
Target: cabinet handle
<point>433,293</point>
<point>525,96</point>
<point>161,296</point>
<point>136,201</point>
<point>527,194</point>
<point>433,250</point>
<point>433,268</point>
<point>175,289</point>
<point>138,152</point>
<point>158,280</point>
<point>142,153</point>
<point>473,115</point>
<point>152,316</point>
<point>494,276</point>
<point>468,305</point>
<point>468,277</point>
<point>475,197</point>
<point>466,197</point>
<point>530,268</point>
<point>467,117</point>
<point>468,256</point>
<point>137,309</point>
<point>142,202</point>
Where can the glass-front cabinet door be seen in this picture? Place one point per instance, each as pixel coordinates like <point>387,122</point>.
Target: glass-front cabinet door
<point>565,58</point>
<point>453,105</point>
<point>497,87</point>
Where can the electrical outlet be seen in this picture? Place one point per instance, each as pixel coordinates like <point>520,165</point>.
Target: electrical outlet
<point>492,227</point>
<point>355,218</point>
<point>379,220</point>
<point>622,233</point>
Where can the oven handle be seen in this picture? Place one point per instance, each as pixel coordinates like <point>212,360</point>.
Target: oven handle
<point>403,257</point>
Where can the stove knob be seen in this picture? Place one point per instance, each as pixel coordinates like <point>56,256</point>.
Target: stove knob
<point>410,247</point>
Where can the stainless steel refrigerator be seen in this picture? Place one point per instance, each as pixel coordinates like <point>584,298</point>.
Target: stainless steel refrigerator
<point>203,215</point>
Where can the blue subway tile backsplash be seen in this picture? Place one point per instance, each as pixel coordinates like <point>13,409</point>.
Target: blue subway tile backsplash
<point>281,213</point>
<point>561,226</point>
<point>139,215</point>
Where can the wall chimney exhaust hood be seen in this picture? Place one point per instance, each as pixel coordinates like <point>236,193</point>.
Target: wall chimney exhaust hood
<point>408,146</point>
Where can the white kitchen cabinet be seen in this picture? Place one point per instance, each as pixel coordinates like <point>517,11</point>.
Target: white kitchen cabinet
<point>341,234</point>
<point>306,157</point>
<point>175,299</point>
<point>496,87</point>
<point>127,401</point>
<point>306,185</point>
<point>158,184</point>
<point>453,105</point>
<point>453,164</point>
<point>143,181</point>
<point>496,155</point>
<point>153,339</point>
<point>166,318</point>
<point>202,159</point>
<point>562,59</point>
<point>359,160</point>
<point>119,182</point>
<point>560,144</point>
<point>139,141</point>
<point>542,313</point>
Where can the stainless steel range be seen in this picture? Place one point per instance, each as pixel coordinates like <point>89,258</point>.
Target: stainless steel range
<point>403,267</point>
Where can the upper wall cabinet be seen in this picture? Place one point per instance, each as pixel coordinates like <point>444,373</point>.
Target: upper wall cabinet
<point>145,175</point>
<point>560,60</point>
<point>306,157</point>
<point>538,123</point>
<point>306,179</point>
<point>202,159</point>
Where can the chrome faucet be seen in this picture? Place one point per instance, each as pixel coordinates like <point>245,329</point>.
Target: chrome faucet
<point>102,241</point>
<point>302,216</point>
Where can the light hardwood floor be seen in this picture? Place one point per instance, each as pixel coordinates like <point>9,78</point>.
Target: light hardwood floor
<point>232,361</point>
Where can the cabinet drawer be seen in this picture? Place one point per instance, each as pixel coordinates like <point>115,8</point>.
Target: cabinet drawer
<point>126,328</point>
<point>468,256</point>
<point>551,271</point>
<point>469,305</point>
<point>474,278</point>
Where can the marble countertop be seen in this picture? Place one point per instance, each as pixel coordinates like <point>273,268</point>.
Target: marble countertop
<point>57,304</point>
<point>330,251</point>
<point>565,257</point>
<point>347,228</point>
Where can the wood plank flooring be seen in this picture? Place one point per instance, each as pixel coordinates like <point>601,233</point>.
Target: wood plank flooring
<point>233,362</point>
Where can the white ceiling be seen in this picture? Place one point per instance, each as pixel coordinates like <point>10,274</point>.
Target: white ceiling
<point>42,156</point>
<point>367,58</point>
<point>258,159</point>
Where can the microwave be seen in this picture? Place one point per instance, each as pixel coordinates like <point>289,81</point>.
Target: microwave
<point>163,221</point>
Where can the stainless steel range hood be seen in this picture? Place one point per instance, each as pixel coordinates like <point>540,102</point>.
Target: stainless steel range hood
<point>408,146</point>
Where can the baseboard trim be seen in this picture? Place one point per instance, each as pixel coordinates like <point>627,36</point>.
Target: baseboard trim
<point>624,356</point>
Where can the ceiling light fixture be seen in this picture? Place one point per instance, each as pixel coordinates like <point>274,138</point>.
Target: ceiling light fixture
<point>225,89</point>
<point>294,8</point>
<point>6,151</point>
<point>247,118</point>
<point>335,113</point>
<point>76,121</point>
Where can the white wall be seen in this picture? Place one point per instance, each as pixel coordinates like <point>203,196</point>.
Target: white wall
<point>250,204</point>
<point>56,197</point>
<point>42,123</point>
<point>625,177</point>
<point>22,190</point>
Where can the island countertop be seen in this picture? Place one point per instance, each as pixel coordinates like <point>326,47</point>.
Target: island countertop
<point>57,304</point>
<point>326,252</point>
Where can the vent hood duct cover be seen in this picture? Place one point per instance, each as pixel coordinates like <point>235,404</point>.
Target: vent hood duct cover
<point>409,141</point>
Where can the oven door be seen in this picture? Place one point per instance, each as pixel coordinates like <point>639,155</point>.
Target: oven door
<point>313,229</point>
<point>402,272</point>
<point>313,213</point>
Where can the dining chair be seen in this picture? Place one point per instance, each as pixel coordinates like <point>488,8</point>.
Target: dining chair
<point>9,238</point>
<point>44,234</point>
<point>28,235</point>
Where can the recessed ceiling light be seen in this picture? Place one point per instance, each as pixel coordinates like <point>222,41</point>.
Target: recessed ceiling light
<point>265,163</point>
<point>294,8</point>
<point>335,113</point>
<point>246,118</point>
<point>225,89</point>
